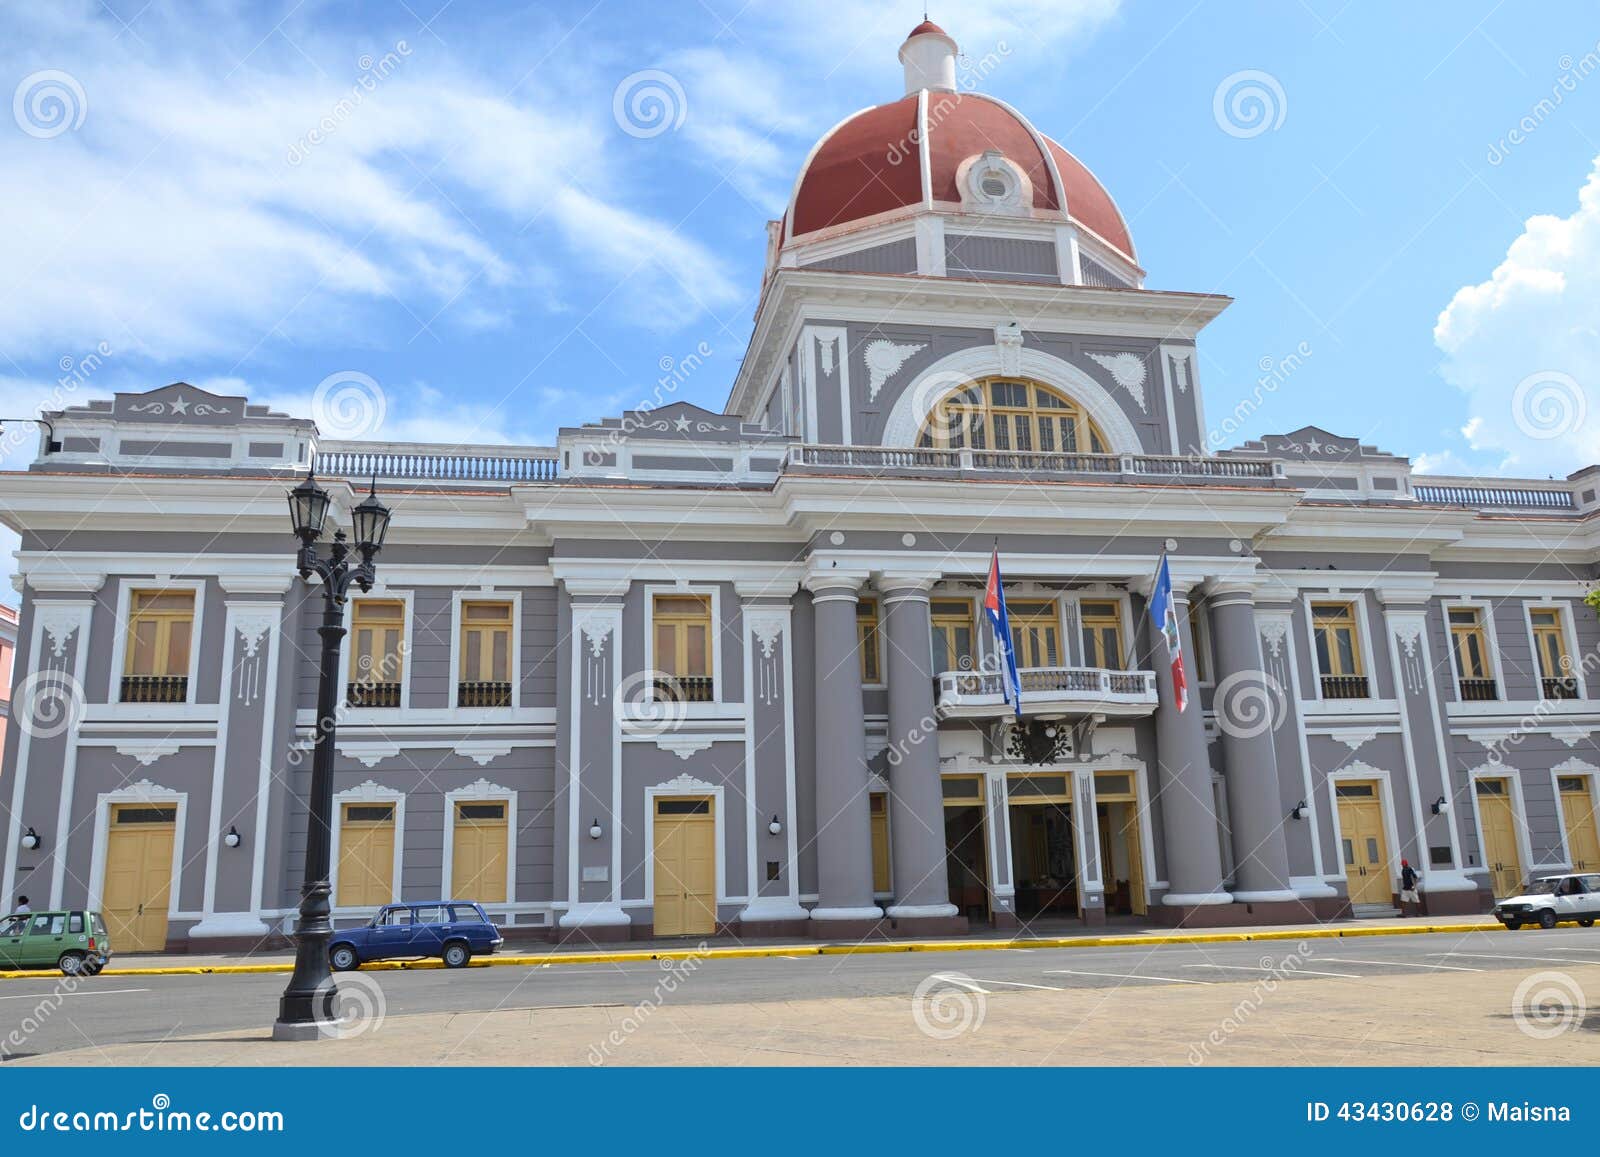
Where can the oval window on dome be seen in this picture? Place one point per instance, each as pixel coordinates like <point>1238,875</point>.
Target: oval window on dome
<point>996,186</point>
<point>1013,415</point>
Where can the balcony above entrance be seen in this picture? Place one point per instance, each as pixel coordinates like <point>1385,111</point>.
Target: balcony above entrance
<point>1057,692</point>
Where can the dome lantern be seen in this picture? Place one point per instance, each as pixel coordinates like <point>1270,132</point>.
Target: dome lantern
<point>929,56</point>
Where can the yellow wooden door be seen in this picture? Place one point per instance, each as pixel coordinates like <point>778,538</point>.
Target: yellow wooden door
<point>685,868</point>
<point>1577,809</point>
<point>1499,820</point>
<point>881,879</point>
<point>1366,861</point>
<point>478,863</point>
<point>138,883</point>
<point>366,856</point>
<point>1130,833</point>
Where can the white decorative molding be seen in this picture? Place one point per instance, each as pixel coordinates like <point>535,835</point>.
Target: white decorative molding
<point>146,751</point>
<point>683,746</point>
<point>59,624</point>
<point>1408,633</point>
<point>253,627</point>
<point>599,628</point>
<point>767,629</point>
<point>684,783</point>
<point>884,359</point>
<point>367,752</point>
<point>1273,632</point>
<point>1490,740</point>
<point>1008,347</point>
<point>1128,371</point>
<point>142,791</point>
<point>1353,737</point>
<point>1572,736</point>
<point>483,751</point>
<point>825,354</point>
<point>1575,766</point>
<point>1180,372</point>
<point>368,791</point>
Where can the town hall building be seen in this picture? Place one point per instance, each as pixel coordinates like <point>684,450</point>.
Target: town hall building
<point>694,673</point>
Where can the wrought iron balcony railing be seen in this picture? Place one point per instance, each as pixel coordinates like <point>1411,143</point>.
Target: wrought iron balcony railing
<point>685,689</point>
<point>1344,687</point>
<point>1478,690</point>
<point>1564,688</point>
<point>481,694</point>
<point>155,688</point>
<point>360,694</point>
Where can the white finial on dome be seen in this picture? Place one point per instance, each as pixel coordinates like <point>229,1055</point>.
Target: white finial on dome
<point>929,56</point>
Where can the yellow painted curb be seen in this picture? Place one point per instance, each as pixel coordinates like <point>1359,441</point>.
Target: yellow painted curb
<point>864,948</point>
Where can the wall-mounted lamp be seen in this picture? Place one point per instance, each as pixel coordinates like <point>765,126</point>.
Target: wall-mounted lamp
<point>775,827</point>
<point>30,840</point>
<point>233,839</point>
<point>1300,811</point>
<point>1440,806</point>
<point>594,829</point>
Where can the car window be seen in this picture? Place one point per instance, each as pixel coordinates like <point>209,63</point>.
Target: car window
<point>465,914</point>
<point>1593,882</point>
<point>75,922</point>
<point>397,916</point>
<point>15,926</point>
<point>433,914</point>
<point>99,925</point>
<point>41,925</point>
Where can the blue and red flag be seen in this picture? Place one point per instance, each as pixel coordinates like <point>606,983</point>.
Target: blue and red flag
<point>994,603</point>
<point>1164,614</point>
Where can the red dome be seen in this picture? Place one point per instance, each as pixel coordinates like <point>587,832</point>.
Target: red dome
<point>870,164</point>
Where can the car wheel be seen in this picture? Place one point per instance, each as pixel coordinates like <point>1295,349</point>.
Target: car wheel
<point>1513,925</point>
<point>72,964</point>
<point>1547,919</point>
<point>456,954</point>
<point>343,958</point>
<point>1586,922</point>
<point>94,966</point>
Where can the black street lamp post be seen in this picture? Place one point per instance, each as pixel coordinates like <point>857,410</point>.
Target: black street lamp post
<point>307,1002</point>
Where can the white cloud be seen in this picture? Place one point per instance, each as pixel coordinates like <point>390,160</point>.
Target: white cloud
<point>191,216</point>
<point>1524,345</point>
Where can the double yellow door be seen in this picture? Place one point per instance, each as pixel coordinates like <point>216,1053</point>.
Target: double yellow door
<point>138,882</point>
<point>1366,860</point>
<point>1583,842</point>
<point>478,860</point>
<point>685,868</point>
<point>1499,822</point>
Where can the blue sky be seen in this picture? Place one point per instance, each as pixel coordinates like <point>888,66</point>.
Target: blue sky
<point>479,235</point>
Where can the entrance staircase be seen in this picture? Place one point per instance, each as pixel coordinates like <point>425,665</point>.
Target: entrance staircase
<point>1373,911</point>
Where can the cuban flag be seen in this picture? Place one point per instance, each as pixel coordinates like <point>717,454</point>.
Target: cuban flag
<point>1164,614</point>
<point>994,603</point>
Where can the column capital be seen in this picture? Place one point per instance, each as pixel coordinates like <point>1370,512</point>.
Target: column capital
<point>906,582</point>
<point>833,581</point>
<point>1231,589</point>
<point>750,590</point>
<point>594,589</point>
<point>257,583</point>
<point>1406,593</point>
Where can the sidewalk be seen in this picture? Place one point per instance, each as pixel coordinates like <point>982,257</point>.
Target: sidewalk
<point>581,953</point>
<point>1415,1021</point>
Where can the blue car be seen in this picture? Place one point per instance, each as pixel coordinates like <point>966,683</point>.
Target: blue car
<point>453,930</point>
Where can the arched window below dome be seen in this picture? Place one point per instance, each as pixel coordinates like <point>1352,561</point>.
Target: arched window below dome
<point>1011,414</point>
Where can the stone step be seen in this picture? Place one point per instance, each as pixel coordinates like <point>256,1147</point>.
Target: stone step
<point>1373,911</point>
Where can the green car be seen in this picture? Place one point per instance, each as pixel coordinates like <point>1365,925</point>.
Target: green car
<point>75,942</point>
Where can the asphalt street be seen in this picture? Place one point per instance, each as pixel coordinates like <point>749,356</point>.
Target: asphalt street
<point>44,1015</point>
